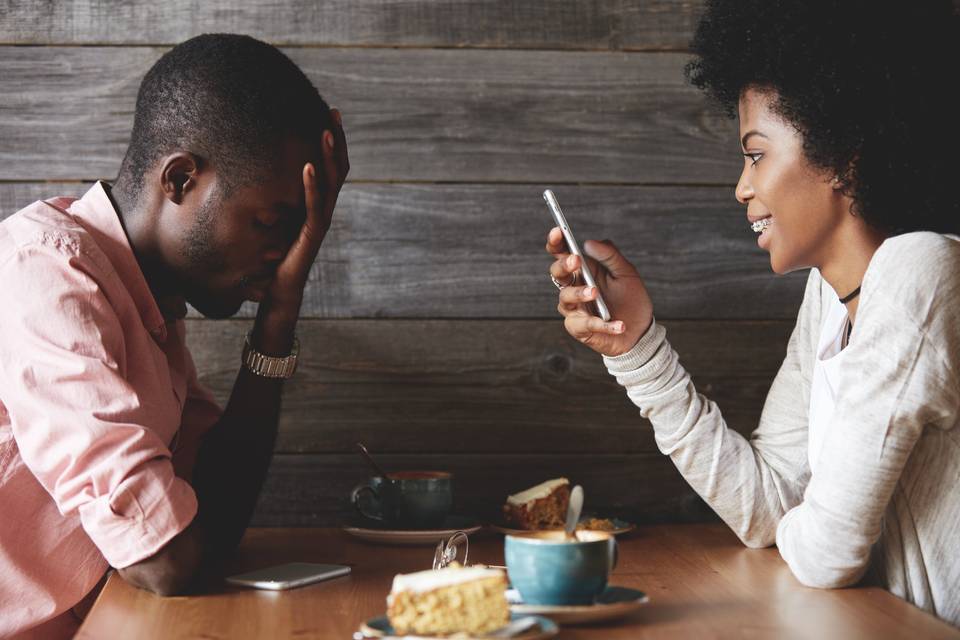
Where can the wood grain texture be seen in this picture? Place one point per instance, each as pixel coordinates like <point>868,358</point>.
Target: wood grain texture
<point>549,24</point>
<point>429,327</point>
<point>314,490</point>
<point>16,195</point>
<point>410,114</point>
<point>489,387</point>
<point>476,251</point>
<point>701,581</point>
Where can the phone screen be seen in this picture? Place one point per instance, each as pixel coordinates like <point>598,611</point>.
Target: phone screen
<point>287,576</point>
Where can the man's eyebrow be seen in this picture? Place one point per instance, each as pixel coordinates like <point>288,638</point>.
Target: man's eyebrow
<point>746,136</point>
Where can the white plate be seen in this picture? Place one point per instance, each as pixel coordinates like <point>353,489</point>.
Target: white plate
<point>613,603</point>
<point>381,535</point>
<point>380,628</point>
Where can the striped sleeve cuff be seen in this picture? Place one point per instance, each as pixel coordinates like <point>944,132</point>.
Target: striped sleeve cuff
<point>641,354</point>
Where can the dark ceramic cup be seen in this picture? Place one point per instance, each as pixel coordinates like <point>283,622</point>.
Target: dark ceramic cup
<point>548,569</point>
<point>409,499</point>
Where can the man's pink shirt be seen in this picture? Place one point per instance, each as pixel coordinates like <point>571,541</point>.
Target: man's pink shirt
<point>100,412</point>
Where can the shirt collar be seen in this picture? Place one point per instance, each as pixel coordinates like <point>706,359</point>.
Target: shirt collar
<point>96,212</point>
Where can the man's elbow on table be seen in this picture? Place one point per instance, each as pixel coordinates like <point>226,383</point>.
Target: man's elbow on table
<point>170,571</point>
<point>163,582</point>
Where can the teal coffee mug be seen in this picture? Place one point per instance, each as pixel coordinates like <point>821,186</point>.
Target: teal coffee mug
<point>548,569</point>
<point>409,499</point>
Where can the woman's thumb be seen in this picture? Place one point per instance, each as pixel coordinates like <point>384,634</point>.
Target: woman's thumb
<point>606,253</point>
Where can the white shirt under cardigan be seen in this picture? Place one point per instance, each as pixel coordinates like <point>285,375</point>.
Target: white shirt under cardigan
<point>857,451</point>
<point>826,376</point>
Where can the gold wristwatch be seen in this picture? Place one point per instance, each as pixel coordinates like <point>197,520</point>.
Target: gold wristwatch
<point>269,366</point>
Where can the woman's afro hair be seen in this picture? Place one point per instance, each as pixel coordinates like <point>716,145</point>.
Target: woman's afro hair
<point>870,86</point>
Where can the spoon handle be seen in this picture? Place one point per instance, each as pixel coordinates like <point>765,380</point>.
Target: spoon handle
<point>370,461</point>
<point>573,511</point>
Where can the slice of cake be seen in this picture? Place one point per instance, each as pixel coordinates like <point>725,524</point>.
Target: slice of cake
<point>467,600</point>
<point>541,507</point>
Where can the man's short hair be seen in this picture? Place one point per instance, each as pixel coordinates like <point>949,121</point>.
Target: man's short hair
<point>230,99</point>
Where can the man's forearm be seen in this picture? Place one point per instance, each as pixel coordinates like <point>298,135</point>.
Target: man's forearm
<point>230,470</point>
<point>233,461</point>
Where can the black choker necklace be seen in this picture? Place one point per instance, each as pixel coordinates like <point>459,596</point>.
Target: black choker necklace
<point>848,298</point>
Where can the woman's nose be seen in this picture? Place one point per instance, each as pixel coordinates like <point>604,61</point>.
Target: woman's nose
<point>744,191</point>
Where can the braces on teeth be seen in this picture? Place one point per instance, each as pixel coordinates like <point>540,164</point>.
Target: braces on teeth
<point>761,225</point>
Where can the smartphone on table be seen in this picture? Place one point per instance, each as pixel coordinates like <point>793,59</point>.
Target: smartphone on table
<point>288,576</point>
<point>600,307</point>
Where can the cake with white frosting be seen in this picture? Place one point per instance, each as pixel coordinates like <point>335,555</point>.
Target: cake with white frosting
<point>541,507</point>
<point>470,600</point>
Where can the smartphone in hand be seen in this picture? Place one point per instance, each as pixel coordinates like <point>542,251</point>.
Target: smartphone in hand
<point>599,305</point>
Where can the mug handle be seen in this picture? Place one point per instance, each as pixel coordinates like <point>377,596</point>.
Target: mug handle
<point>355,499</point>
<point>615,556</point>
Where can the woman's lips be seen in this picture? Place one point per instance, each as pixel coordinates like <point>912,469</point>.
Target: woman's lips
<point>759,226</point>
<point>764,228</point>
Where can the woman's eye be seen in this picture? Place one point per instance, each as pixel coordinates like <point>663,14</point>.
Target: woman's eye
<point>754,157</point>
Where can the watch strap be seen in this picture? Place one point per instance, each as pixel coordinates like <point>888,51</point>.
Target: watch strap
<point>270,366</point>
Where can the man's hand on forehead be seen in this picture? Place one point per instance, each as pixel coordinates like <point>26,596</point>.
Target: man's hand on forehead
<point>321,189</point>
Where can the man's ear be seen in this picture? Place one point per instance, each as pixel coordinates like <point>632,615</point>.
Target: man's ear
<point>178,175</point>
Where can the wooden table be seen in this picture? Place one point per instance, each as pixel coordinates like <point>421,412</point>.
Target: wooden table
<point>701,581</point>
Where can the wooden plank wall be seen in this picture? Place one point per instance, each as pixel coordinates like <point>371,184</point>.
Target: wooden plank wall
<point>430,329</point>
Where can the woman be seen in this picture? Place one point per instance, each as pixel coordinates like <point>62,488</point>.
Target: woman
<point>848,130</point>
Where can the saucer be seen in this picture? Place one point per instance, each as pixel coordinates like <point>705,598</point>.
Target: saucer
<point>614,602</point>
<point>619,527</point>
<point>377,532</point>
<point>380,628</point>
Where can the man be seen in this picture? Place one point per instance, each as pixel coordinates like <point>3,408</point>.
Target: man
<point>224,195</point>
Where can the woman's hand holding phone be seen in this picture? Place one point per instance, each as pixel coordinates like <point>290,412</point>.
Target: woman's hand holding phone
<point>622,288</point>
